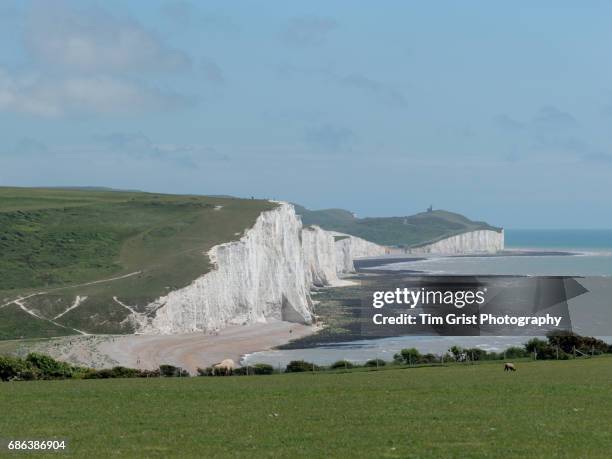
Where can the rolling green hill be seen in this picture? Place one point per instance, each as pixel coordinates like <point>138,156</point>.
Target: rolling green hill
<point>407,231</point>
<point>56,244</point>
<point>544,409</point>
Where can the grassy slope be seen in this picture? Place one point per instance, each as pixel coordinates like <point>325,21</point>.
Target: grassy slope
<point>54,240</point>
<point>401,231</point>
<point>545,409</point>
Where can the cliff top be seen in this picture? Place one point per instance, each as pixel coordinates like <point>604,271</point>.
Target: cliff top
<point>102,244</point>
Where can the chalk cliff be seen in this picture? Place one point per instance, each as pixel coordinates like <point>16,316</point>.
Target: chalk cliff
<point>348,248</point>
<point>268,273</point>
<point>472,242</point>
<point>319,256</point>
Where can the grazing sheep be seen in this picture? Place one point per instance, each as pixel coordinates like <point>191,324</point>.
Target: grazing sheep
<point>509,367</point>
<point>225,367</point>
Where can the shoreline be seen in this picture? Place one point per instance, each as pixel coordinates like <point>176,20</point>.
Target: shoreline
<point>188,351</point>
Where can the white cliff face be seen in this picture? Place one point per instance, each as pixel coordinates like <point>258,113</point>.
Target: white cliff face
<point>267,274</point>
<point>319,257</point>
<point>481,241</point>
<point>258,277</point>
<point>348,248</point>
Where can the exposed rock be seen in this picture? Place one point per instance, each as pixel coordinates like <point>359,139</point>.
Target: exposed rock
<point>267,274</point>
<point>348,248</point>
<point>473,242</point>
<point>319,256</point>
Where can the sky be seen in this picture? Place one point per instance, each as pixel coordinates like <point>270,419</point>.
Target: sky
<point>498,110</point>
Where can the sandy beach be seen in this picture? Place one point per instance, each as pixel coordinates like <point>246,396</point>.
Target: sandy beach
<point>188,351</point>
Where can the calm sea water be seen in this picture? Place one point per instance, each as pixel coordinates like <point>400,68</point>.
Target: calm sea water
<point>592,256</point>
<point>591,249</point>
<point>579,240</point>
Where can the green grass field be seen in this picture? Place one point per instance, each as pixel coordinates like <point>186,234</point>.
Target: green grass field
<point>545,409</point>
<point>56,240</point>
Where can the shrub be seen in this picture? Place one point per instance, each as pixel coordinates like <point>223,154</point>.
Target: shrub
<point>242,371</point>
<point>297,366</point>
<point>375,363</point>
<point>429,358</point>
<point>544,351</point>
<point>515,352</point>
<point>257,369</point>
<point>567,341</point>
<point>103,373</point>
<point>123,372</point>
<point>410,355</point>
<point>172,371</point>
<point>16,369</point>
<point>475,353</point>
<point>49,368</point>
<point>149,373</point>
<point>341,364</point>
<point>262,369</point>
<point>208,371</point>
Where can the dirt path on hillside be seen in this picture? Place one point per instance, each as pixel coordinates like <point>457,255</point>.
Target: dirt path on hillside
<point>188,351</point>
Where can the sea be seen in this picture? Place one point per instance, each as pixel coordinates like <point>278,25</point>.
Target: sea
<point>557,252</point>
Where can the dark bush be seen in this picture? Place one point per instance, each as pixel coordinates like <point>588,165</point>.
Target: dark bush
<point>119,372</point>
<point>515,352</point>
<point>544,351</point>
<point>567,341</point>
<point>429,358</point>
<point>341,364</point>
<point>257,369</point>
<point>208,371</point>
<point>171,370</point>
<point>297,366</point>
<point>476,353</point>
<point>262,369</point>
<point>103,373</point>
<point>49,368</point>
<point>149,373</point>
<point>410,356</point>
<point>123,372</point>
<point>16,369</point>
<point>375,363</point>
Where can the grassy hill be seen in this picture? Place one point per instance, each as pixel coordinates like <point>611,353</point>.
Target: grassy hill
<point>103,244</point>
<point>545,409</point>
<point>407,231</point>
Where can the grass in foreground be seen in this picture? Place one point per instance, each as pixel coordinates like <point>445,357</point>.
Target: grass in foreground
<point>551,408</point>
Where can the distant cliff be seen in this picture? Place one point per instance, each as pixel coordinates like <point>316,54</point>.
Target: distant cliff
<point>472,242</point>
<point>406,231</point>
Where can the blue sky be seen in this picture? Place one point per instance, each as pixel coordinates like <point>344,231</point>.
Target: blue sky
<point>500,111</point>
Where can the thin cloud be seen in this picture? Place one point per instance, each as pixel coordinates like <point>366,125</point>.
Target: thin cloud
<point>139,146</point>
<point>598,158</point>
<point>508,123</point>
<point>329,137</point>
<point>93,40</point>
<point>180,12</point>
<point>29,146</point>
<point>308,30</point>
<point>38,95</point>
<point>212,72</point>
<point>551,117</point>
<point>381,91</point>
